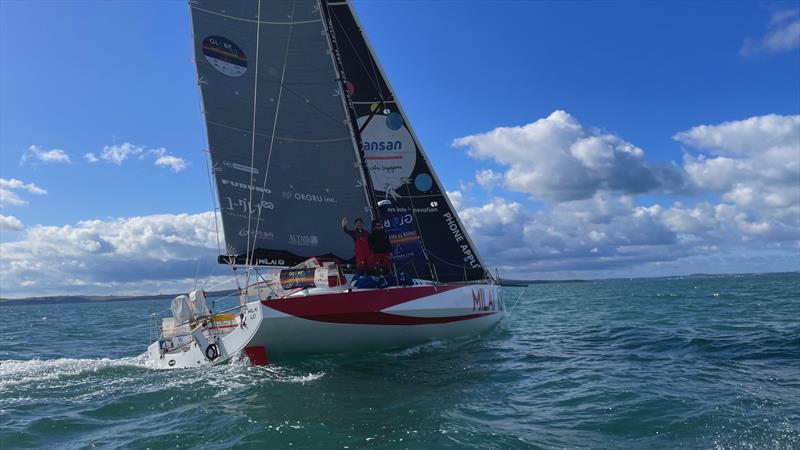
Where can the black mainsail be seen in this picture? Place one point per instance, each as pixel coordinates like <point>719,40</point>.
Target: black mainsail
<point>304,129</point>
<point>280,139</point>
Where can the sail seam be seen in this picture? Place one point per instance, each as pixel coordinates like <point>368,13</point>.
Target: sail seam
<point>280,138</point>
<point>227,16</point>
<point>312,105</point>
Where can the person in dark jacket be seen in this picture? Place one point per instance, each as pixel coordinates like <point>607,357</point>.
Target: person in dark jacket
<point>361,239</point>
<point>381,248</point>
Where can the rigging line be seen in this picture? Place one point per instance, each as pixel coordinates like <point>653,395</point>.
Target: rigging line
<point>375,82</point>
<point>272,139</point>
<point>421,238</point>
<point>372,102</point>
<point>371,115</point>
<point>444,261</point>
<point>205,135</point>
<point>309,103</point>
<point>517,300</point>
<point>286,139</point>
<point>213,204</point>
<point>227,16</point>
<point>211,190</point>
<point>253,141</point>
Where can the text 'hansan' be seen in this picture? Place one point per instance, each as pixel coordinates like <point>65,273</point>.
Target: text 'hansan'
<point>379,146</point>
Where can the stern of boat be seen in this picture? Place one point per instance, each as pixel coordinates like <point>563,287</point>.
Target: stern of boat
<point>209,340</point>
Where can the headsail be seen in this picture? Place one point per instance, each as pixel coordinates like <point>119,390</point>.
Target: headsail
<point>282,147</point>
<point>423,225</point>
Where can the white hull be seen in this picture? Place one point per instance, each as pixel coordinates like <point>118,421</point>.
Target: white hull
<point>356,320</point>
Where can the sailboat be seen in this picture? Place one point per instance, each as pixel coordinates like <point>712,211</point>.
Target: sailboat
<point>304,129</point>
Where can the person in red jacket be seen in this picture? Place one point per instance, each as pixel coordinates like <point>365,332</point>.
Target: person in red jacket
<point>361,239</point>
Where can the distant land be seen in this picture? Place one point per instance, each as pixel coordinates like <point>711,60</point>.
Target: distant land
<point>96,298</point>
<point>44,300</point>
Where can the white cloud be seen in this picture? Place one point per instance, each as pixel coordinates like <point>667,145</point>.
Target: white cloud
<point>10,198</point>
<point>10,223</point>
<point>457,199</point>
<point>783,34</point>
<point>488,178</point>
<point>37,154</point>
<point>163,159</point>
<point>137,254</point>
<point>745,137</point>
<point>748,171</point>
<point>756,169</point>
<point>557,159</point>
<point>13,183</point>
<point>117,154</point>
<point>612,236</point>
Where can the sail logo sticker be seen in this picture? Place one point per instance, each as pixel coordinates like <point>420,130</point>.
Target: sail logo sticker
<point>225,56</point>
<point>245,186</point>
<point>241,167</point>
<point>305,197</point>
<point>304,240</point>
<point>244,206</point>
<point>268,235</point>
<point>389,150</point>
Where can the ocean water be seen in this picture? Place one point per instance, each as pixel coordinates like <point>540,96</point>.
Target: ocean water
<point>701,362</point>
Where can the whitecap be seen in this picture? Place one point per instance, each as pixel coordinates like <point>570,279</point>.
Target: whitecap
<point>20,372</point>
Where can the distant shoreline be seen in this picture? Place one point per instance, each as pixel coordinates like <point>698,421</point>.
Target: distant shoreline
<point>51,299</point>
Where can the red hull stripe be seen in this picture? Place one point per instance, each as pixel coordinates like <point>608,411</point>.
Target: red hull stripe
<point>364,307</point>
<point>379,318</point>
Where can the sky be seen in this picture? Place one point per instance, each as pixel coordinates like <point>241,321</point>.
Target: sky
<point>576,139</point>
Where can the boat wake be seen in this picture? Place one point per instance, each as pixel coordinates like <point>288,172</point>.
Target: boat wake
<point>21,372</point>
<point>62,372</point>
